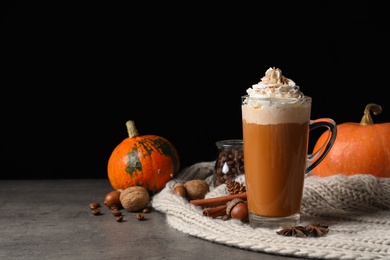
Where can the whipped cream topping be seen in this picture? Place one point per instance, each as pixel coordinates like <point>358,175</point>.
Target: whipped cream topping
<point>274,84</point>
<point>274,100</point>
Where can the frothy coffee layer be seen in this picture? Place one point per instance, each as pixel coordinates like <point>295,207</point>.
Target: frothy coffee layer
<point>269,113</point>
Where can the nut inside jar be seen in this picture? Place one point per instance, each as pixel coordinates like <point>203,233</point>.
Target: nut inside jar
<point>230,161</point>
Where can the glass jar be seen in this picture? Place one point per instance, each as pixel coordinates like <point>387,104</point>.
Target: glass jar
<point>230,161</point>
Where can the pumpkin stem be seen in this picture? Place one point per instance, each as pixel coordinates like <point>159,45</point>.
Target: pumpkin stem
<point>366,119</point>
<point>131,129</point>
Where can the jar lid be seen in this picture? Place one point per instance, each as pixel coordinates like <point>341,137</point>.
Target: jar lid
<point>231,142</point>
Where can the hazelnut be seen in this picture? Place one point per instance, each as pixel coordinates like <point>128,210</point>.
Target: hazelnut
<point>238,209</point>
<point>179,189</point>
<point>134,198</point>
<point>112,199</point>
<point>196,189</point>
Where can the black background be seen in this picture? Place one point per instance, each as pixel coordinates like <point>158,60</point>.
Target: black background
<point>74,74</point>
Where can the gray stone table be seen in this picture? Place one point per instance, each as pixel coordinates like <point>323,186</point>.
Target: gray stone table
<point>50,219</point>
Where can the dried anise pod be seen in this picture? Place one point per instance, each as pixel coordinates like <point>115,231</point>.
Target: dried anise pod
<point>316,230</point>
<point>234,187</point>
<point>312,230</point>
<point>297,231</point>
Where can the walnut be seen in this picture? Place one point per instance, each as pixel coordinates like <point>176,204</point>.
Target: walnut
<point>134,198</point>
<point>196,189</point>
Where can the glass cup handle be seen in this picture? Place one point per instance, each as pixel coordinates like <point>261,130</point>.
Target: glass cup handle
<point>314,159</point>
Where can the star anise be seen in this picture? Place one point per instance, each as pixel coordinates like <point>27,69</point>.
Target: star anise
<point>288,231</point>
<point>316,230</point>
<point>312,230</point>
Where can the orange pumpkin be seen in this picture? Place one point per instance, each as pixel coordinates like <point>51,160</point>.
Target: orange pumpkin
<point>358,149</point>
<point>142,160</point>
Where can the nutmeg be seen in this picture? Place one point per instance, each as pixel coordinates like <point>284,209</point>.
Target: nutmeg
<point>134,198</point>
<point>196,189</point>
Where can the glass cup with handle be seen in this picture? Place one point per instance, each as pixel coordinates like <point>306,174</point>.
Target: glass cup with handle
<point>275,143</point>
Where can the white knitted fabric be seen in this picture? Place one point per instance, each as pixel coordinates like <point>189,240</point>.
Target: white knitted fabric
<point>356,209</point>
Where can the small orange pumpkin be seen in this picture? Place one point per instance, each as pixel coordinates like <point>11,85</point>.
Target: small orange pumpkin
<point>358,149</point>
<point>142,160</point>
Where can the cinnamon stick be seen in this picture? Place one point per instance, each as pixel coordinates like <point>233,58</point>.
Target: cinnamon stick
<point>215,212</point>
<point>217,200</point>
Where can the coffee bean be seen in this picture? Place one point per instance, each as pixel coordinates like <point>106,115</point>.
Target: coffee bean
<point>229,163</point>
